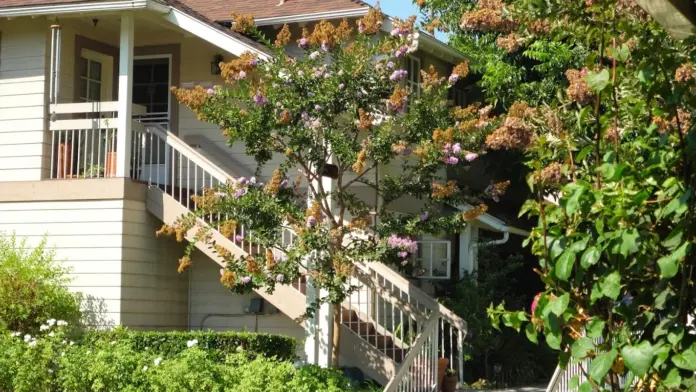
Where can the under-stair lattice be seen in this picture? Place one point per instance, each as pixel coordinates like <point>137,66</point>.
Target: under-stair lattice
<point>391,329</point>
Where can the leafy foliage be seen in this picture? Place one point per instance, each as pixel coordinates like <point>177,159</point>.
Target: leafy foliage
<point>33,287</point>
<point>612,163</point>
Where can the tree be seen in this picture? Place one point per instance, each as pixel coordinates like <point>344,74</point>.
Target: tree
<point>361,140</point>
<point>612,160</point>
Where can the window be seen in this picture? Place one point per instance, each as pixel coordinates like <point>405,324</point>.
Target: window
<point>434,257</point>
<point>457,96</point>
<point>151,87</point>
<point>413,66</point>
<point>90,80</point>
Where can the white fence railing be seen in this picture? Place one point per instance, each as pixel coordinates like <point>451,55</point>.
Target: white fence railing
<point>83,140</point>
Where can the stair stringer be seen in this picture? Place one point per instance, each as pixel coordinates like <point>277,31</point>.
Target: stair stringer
<point>285,298</point>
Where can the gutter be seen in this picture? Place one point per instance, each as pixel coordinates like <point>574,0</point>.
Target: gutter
<point>87,7</point>
<point>474,247</point>
<point>351,13</point>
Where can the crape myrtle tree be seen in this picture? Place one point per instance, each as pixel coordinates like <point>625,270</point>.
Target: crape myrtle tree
<point>612,157</point>
<point>335,118</point>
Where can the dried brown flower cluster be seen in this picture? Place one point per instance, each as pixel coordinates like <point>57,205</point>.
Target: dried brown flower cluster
<point>474,212</point>
<point>239,68</point>
<point>488,17</point>
<point>359,165</point>
<point>539,26</point>
<point>462,69</point>
<point>510,43</point>
<point>342,267</point>
<point>631,8</point>
<point>443,136</point>
<point>361,221</point>
<point>251,265</point>
<point>440,191</point>
<point>613,133</point>
<point>435,25</point>
<point>194,98</point>
<point>242,23</point>
<point>404,24</point>
<point>684,122</point>
<point>283,37</point>
<point>270,260</point>
<point>421,3</point>
<point>550,175</point>
<point>178,229</point>
<point>553,121</point>
<point>371,23</point>
<point>685,73</point>
<point>400,147</point>
<point>207,201</point>
<point>184,264</point>
<point>228,228</point>
<point>228,279</point>
<point>398,100</point>
<point>314,211</point>
<point>578,90</point>
<point>222,251</point>
<point>515,133</point>
<point>285,117</point>
<point>431,78</point>
<point>364,120</point>
<point>326,35</point>
<point>273,185</point>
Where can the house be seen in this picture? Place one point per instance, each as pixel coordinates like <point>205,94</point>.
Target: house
<point>96,154</point>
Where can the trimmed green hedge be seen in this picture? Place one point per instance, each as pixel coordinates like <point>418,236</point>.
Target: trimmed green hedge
<point>218,344</point>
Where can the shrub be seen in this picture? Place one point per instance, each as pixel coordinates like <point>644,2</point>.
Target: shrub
<point>51,362</point>
<point>33,287</point>
<point>217,344</point>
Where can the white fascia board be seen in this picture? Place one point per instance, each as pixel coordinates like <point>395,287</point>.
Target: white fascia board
<point>87,7</point>
<point>211,34</point>
<point>351,13</point>
<point>487,219</point>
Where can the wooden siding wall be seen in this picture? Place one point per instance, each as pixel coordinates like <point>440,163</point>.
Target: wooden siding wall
<point>126,274</point>
<point>23,61</point>
<point>209,297</point>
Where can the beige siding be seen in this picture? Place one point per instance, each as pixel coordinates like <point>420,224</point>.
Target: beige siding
<point>225,310</point>
<point>126,274</point>
<point>23,60</point>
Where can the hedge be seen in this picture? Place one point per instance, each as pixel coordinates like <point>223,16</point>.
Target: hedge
<point>218,344</point>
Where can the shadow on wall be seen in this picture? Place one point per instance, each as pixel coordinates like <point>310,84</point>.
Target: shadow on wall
<point>95,313</point>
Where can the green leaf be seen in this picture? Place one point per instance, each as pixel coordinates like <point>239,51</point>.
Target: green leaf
<point>597,81</point>
<point>674,239</point>
<point>531,332</point>
<point>676,335</point>
<point>599,367</point>
<point>585,387</point>
<point>583,153</point>
<point>572,202</point>
<point>582,347</point>
<point>669,265</point>
<point>673,379</point>
<point>607,171</point>
<point>611,285</point>
<point>558,246</point>
<point>564,265</point>
<point>595,327</point>
<point>590,257</point>
<point>630,239</point>
<point>677,205</point>
<point>645,75</point>
<point>621,53</point>
<point>528,206</point>
<point>573,383</point>
<point>638,358</point>
<point>553,332</point>
<point>559,305</point>
<point>685,360</point>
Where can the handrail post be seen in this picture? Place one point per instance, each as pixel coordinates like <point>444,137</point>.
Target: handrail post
<point>125,96</point>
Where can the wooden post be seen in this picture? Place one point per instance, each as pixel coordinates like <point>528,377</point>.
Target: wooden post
<point>125,95</point>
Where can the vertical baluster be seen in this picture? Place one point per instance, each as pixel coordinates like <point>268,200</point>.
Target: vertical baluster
<point>188,182</point>
<point>72,151</point>
<point>166,165</point>
<point>79,143</point>
<point>180,182</point>
<point>64,137</point>
<point>53,153</point>
<point>460,352</point>
<point>173,170</point>
<point>195,182</point>
<point>159,154</point>
<point>149,174</point>
<point>451,356</point>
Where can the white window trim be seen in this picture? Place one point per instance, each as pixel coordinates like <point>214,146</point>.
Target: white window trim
<point>414,85</point>
<point>429,271</point>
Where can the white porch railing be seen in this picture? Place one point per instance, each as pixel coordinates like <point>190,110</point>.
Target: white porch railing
<point>386,310</point>
<point>83,140</point>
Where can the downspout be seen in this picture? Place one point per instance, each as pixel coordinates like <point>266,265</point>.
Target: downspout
<point>473,248</point>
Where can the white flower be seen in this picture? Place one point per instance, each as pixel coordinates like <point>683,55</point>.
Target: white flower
<point>158,360</point>
<point>51,334</point>
<point>32,343</point>
<point>16,334</point>
<point>71,342</point>
<point>62,354</point>
<point>191,343</point>
<point>43,328</point>
<point>27,337</point>
<point>144,368</point>
<point>62,323</point>
<point>51,322</point>
<point>64,342</point>
<point>112,342</point>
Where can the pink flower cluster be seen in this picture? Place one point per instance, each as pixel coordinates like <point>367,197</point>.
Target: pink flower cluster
<point>454,150</point>
<point>402,243</point>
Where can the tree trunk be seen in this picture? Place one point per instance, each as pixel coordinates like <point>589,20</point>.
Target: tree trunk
<point>336,346</point>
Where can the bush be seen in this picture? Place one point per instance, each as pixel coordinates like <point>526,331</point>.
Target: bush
<point>33,287</point>
<point>217,344</point>
<point>51,362</point>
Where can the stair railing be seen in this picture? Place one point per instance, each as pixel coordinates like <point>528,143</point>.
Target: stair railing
<point>385,310</point>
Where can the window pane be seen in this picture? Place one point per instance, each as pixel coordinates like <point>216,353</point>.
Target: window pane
<point>83,67</point>
<point>440,268</point>
<point>95,70</point>
<point>82,88</point>
<point>161,94</point>
<point>94,91</point>
<point>439,251</point>
<point>140,95</point>
<point>161,73</point>
<point>142,73</point>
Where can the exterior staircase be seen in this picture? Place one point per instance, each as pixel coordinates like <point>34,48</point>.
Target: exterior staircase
<point>392,329</point>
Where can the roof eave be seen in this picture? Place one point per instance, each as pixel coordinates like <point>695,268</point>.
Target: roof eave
<point>86,7</point>
<point>302,18</point>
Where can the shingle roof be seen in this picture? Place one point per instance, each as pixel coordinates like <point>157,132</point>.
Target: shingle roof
<point>220,10</point>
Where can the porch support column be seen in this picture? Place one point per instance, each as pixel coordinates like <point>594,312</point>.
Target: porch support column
<point>466,262</point>
<point>124,136</point>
